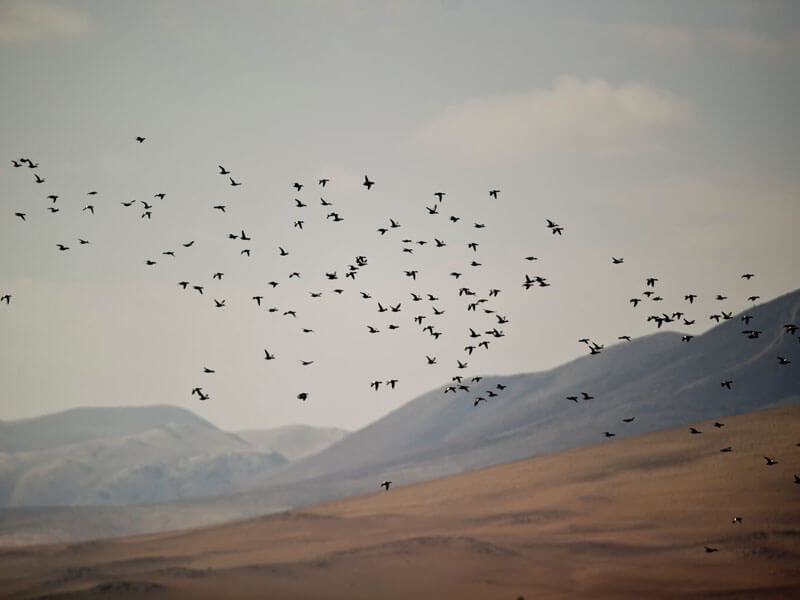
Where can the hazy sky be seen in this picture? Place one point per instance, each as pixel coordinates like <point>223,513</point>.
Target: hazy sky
<point>664,133</point>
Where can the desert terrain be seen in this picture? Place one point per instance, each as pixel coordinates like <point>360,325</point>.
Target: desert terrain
<point>620,519</point>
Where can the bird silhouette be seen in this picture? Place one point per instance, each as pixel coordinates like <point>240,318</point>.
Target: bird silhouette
<point>385,484</point>
<point>367,183</point>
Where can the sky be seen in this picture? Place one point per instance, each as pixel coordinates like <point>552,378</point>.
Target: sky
<point>662,133</point>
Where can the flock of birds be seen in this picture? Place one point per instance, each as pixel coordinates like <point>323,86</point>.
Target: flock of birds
<point>425,309</point>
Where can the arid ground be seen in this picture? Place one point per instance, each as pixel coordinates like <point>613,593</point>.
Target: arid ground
<point>625,519</point>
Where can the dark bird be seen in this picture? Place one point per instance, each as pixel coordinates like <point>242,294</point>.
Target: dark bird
<point>385,484</point>
<point>493,193</point>
<point>160,195</point>
<point>609,434</point>
<point>6,298</point>
<point>770,461</point>
<point>628,420</point>
<point>748,276</point>
<point>440,195</point>
<point>223,170</point>
<point>736,520</point>
<point>625,337</point>
<point>727,383</point>
<point>431,359</point>
<point>140,139</point>
<point>220,207</point>
<point>391,383</point>
<point>88,207</point>
<point>694,431</point>
<point>207,370</point>
<point>323,182</point>
<point>62,247</point>
<point>375,384</point>
<point>587,396</point>
<point>302,396</point>
<point>634,301</point>
<point>39,179</point>
<point>219,303</point>
<point>199,289</point>
<point>188,244</point>
<point>299,204</point>
<point>709,549</point>
<point>217,276</point>
<point>726,449</point>
<point>258,299</point>
<point>234,183</point>
<point>718,425</point>
<point>83,242</point>
<point>617,261</point>
<point>282,251</point>
<point>753,298</point>
<point>367,183</point>
<point>297,186</point>
<point>268,356</point>
<point>690,298</point>
<point>20,215</point>
<point>573,398</point>
<point>686,338</point>
<point>783,361</point>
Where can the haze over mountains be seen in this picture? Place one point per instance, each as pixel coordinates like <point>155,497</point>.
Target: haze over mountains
<point>658,379</point>
<point>136,455</point>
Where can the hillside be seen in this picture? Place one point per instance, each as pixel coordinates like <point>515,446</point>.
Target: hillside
<point>126,455</point>
<point>626,519</point>
<point>658,379</point>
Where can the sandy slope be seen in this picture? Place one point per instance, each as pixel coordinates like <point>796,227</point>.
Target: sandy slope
<point>624,519</point>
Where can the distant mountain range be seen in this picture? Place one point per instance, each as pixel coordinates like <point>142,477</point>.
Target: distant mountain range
<point>136,455</point>
<point>657,379</point>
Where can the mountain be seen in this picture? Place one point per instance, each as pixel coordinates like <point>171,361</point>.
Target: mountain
<point>125,455</point>
<point>628,519</point>
<point>84,424</point>
<point>658,379</point>
<point>293,441</point>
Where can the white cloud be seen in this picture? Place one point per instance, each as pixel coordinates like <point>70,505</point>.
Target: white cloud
<point>30,20</point>
<point>574,116</point>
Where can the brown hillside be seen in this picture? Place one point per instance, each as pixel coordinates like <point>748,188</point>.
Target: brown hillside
<point>624,519</point>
